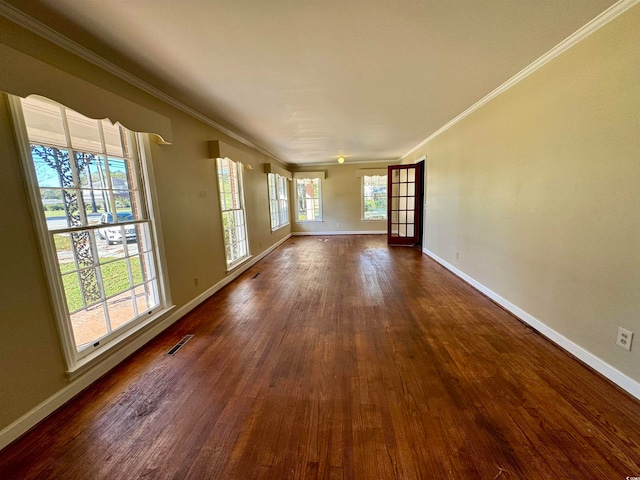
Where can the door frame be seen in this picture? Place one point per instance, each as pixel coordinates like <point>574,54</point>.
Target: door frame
<point>418,196</point>
<point>422,200</point>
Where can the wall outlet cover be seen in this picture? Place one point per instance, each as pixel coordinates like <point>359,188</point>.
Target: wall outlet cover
<point>625,337</point>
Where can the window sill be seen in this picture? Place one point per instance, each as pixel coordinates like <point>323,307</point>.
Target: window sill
<point>373,221</point>
<point>120,342</point>
<point>235,266</point>
<point>279,228</point>
<point>309,221</point>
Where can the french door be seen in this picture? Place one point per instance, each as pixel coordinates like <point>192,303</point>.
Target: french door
<point>404,204</point>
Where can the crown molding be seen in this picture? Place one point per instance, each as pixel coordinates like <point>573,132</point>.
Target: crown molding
<point>598,22</point>
<point>35,26</point>
<point>354,162</point>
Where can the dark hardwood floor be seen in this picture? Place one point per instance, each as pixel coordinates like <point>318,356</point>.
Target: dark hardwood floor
<point>341,359</point>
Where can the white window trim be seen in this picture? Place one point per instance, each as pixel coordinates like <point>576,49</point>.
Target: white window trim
<point>321,174</point>
<point>237,263</point>
<point>370,172</point>
<point>301,176</point>
<point>277,177</point>
<point>80,360</point>
<point>362,177</point>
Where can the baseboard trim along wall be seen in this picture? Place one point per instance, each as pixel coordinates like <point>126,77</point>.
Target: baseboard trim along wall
<point>620,379</point>
<point>58,399</point>
<point>351,232</point>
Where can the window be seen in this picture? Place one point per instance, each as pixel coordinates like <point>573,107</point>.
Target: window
<point>374,197</point>
<point>278,200</point>
<point>87,182</point>
<point>233,214</point>
<point>308,200</point>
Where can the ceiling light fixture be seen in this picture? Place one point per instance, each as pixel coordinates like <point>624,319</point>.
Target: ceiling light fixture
<point>340,159</point>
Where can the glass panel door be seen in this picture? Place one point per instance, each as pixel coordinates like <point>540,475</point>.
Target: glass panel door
<point>404,202</point>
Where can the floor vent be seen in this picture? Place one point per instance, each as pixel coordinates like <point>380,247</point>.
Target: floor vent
<point>179,345</point>
<point>256,275</point>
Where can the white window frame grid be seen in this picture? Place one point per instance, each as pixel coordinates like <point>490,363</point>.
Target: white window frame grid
<point>77,359</point>
<point>382,181</point>
<point>236,252</point>
<point>278,201</point>
<point>310,202</point>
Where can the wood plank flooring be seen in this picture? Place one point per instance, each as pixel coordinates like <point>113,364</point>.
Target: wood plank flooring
<point>341,359</point>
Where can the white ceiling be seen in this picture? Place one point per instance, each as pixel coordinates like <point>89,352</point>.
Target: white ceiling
<point>308,80</point>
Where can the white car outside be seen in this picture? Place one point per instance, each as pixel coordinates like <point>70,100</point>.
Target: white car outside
<point>112,232</point>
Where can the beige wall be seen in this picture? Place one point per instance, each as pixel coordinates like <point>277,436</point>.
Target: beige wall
<point>539,192</point>
<point>32,367</point>
<point>31,362</point>
<point>341,200</point>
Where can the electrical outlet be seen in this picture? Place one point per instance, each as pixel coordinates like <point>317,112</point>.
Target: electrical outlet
<point>195,281</point>
<point>338,225</point>
<point>625,337</point>
<point>457,255</point>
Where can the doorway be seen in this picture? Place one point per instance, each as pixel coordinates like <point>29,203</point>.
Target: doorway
<point>405,198</point>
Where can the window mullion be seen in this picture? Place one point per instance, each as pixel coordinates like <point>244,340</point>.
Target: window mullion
<point>233,215</point>
<point>138,177</point>
<point>103,148</point>
<point>107,176</point>
<point>75,273</point>
<point>77,235</point>
<point>48,247</point>
<point>74,171</point>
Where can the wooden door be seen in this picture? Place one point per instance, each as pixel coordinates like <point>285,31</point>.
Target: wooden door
<point>404,204</point>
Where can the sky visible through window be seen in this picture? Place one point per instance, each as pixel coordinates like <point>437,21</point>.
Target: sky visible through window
<point>89,191</point>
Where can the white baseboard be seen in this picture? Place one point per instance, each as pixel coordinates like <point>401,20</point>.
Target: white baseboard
<point>55,401</point>
<point>186,308</point>
<point>350,232</point>
<point>616,376</point>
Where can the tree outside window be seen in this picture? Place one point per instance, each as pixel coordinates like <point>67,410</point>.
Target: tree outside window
<point>374,202</point>
<point>85,176</point>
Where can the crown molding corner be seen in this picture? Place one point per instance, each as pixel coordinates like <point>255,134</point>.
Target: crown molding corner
<point>583,32</point>
<point>35,26</point>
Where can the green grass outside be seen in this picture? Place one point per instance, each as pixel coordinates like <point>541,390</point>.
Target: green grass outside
<point>60,213</point>
<point>62,242</point>
<point>114,278</point>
